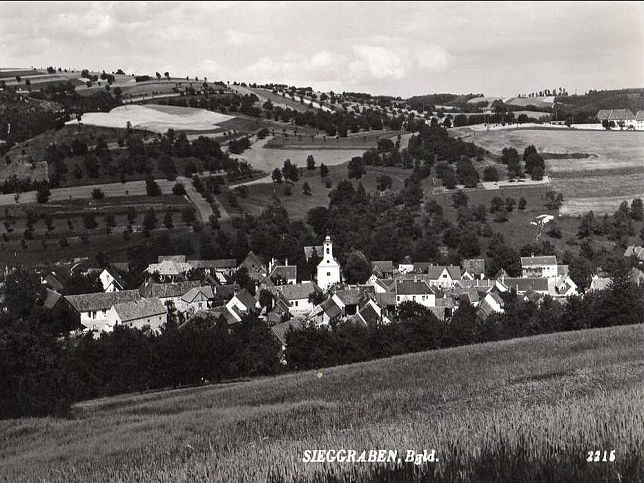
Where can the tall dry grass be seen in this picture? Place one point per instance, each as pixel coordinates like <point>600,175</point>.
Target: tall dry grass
<point>519,410</point>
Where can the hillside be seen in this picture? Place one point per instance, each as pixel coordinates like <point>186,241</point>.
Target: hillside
<point>524,409</point>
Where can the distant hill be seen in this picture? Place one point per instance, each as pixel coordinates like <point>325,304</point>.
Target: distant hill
<point>420,103</point>
<point>585,107</point>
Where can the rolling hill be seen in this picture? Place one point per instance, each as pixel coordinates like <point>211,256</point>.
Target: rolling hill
<point>519,410</point>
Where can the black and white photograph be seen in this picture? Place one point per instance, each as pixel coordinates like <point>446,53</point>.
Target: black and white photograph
<point>321,241</point>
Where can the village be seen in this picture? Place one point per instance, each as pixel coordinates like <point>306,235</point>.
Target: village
<point>192,288</point>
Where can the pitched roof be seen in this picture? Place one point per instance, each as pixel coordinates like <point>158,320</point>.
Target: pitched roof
<point>297,291</point>
<point>634,251</point>
<point>369,314</point>
<point>280,330</point>
<point>475,266</point>
<point>51,299</point>
<point>385,266</point>
<point>485,308</point>
<point>190,295</point>
<point>246,298</point>
<point>226,291</point>
<point>413,287</point>
<point>435,271</point>
<point>352,296</point>
<point>172,258</point>
<point>600,283</point>
<point>330,308</point>
<point>286,272</point>
<point>313,251</point>
<point>253,263</point>
<point>169,267</point>
<point>523,284</point>
<point>116,276</point>
<point>139,309</point>
<point>421,267</point>
<point>639,116</point>
<point>615,115</point>
<point>387,299</point>
<point>167,290</point>
<point>538,261</point>
<point>101,300</point>
<point>220,263</point>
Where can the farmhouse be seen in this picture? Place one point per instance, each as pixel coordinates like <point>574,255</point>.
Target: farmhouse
<point>170,268</point>
<point>443,276</point>
<point>623,118</point>
<point>137,314</point>
<point>255,266</point>
<point>198,298</point>
<point>92,307</point>
<point>383,268</point>
<point>326,313</point>
<point>169,292</point>
<point>328,268</point>
<point>297,296</point>
<point>282,274</point>
<point>241,304</point>
<point>541,267</point>
<point>417,291</point>
<point>491,304</point>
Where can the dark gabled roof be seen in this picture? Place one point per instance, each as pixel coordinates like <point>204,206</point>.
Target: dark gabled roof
<point>330,308</point>
<point>286,272</point>
<point>369,315</point>
<point>167,290</point>
<point>352,296</point>
<point>639,116</point>
<point>538,261</point>
<point>387,299</point>
<point>532,296</point>
<point>246,298</point>
<point>226,291</point>
<point>171,258</point>
<point>413,287</point>
<point>101,300</point>
<point>116,276</point>
<point>280,330</point>
<point>54,280</point>
<point>485,309</point>
<point>51,299</point>
<point>297,291</point>
<point>474,266</point>
<point>523,284</point>
<point>421,267</point>
<point>254,263</point>
<point>313,251</point>
<point>139,309</point>
<point>221,263</point>
<point>435,271</point>
<point>385,266</point>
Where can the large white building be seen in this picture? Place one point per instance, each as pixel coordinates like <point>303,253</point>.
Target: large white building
<point>328,268</point>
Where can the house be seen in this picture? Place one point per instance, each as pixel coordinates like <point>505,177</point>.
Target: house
<point>599,282</point>
<point>539,267</point>
<point>520,285</point>
<point>417,291</point>
<point>491,304</point>
<point>255,266</point>
<point>444,276</point>
<point>329,268</point>
<point>241,304</point>
<point>444,308</point>
<point>111,280</point>
<point>474,267</point>
<point>622,118</point>
<point>169,292</point>
<point>563,285</point>
<point>350,299</point>
<point>639,120</point>
<point>406,266</point>
<point>311,252</point>
<point>635,251</point>
<point>54,281</point>
<point>220,266</point>
<point>170,268</point>
<point>380,285</point>
<point>297,296</point>
<point>370,314</point>
<point>383,268</point>
<point>60,311</point>
<point>282,274</point>
<point>198,298</point>
<point>137,314</point>
<point>92,307</point>
<point>326,313</point>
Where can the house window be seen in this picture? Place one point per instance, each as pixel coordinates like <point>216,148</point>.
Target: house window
<point>327,251</point>
<point>328,274</point>
<point>296,303</point>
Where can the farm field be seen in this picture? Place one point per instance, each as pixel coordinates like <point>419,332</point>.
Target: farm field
<point>614,170</point>
<point>156,118</point>
<point>519,410</point>
<point>67,221</point>
<point>266,160</point>
<point>298,204</point>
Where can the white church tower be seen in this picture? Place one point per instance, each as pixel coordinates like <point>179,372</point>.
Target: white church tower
<point>328,268</point>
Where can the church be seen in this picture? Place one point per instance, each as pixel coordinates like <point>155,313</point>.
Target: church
<point>328,268</point>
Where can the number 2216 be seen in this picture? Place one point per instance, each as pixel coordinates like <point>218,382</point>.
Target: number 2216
<point>594,456</point>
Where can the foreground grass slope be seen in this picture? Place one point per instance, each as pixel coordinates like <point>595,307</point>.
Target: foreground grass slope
<point>518,410</point>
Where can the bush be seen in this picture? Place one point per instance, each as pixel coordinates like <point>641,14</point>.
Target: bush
<point>98,194</point>
<point>152,188</point>
<point>178,189</point>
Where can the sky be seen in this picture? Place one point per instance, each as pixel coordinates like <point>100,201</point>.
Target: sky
<point>392,48</point>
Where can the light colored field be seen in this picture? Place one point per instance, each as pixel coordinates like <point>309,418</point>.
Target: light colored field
<point>156,118</point>
<point>557,396</point>
<point>613,172</point>
<point>266,159</point>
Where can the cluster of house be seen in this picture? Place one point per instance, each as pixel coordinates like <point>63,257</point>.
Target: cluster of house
<point>623,118</point>
<point>205,287</point>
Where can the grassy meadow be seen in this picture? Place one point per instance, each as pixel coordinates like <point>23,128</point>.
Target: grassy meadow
<point>519,410</point>
<point>612,172</point>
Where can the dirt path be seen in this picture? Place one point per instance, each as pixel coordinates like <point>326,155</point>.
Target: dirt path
<point>204,210</point>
